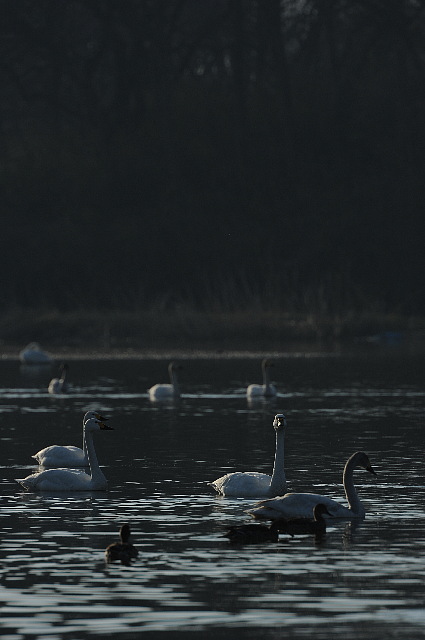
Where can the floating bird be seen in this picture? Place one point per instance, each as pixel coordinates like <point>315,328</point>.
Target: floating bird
<point>33,354</point>
<point>67,456</point>
<point>253,533</point>
<point>123,551</point>
<point>248,484</point>
<point>265,390</point>
<point>59,385</point>
<point>299,526</point>
<point>300,505</point>
<point>167,391</point>
<point>67,479</point>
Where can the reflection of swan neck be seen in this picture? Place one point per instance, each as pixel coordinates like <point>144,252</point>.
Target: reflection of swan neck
<point>278,481</point>
<point>350,490</point>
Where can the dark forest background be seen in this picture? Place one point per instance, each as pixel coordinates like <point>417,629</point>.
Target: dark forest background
<point>219,154</point>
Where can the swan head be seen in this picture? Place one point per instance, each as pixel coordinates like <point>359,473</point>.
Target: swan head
<point>279,421</point>
<point>319,510</point>
<point>93,424</point>
<point>266,363</point>
<point>94,415</point>
<point>174,366</point>
<point>360,459</point>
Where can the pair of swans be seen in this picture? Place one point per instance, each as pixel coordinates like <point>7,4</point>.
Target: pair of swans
<point>59,385</point>
<point>167,391</point>
<point>253,533</point>
<point>72,479</point>
<point>291,505</point>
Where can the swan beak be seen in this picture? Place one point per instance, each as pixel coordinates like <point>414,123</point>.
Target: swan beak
<point>369,468</point>
<point>100,417</point>
<point>105,427</point>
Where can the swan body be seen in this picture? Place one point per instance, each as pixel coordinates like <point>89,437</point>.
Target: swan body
<point>297,526</point>
<point>250,484</point>
<point>301,505</point>
<point>66,456</point>
<point>33,354</point>
<point>253,533</point>
<point>167,391</point>
<point>123,550</point>
<point>59,385</point>
<point>72,480</point>
<point>265,390</point>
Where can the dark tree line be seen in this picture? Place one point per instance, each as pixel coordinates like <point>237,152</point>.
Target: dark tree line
<point>221,151</point>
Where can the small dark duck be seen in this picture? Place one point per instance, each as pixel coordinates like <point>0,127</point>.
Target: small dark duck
<point>123,551</point>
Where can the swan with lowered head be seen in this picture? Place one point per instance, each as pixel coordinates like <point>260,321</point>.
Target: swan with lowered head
<point>167,391</point>
<point>250,484</point>
<point>59,385</point>
<point>72,480</point>
<point>265,390</point>
<point>33,354</point>
<point>123,550</point>
<point>300,505</point>
<point>299,526</point>
<point>67,456</point>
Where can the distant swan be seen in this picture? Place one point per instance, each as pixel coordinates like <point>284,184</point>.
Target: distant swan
<point>300,505</point>
<point>164,391</point>
<point>59,385</point>
<point>299,526</point>
<point>33,354</point>
<point>67,456</point>
<point>249,484</point>
<point>265,390</point>
<point>123,550</point>
<point>68,480</point>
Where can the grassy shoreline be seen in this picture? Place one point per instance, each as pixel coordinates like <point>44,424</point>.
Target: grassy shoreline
<point>117,334</point>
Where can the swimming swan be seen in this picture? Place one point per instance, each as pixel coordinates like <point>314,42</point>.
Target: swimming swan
<point>164,391</point>
<point>59,385</point>
<point>68,480</point>
<point>265,390</point>
<point>33,354</point>
<point>300,505</point>
<point>123,550</point>
<point>248,484</point>
<point>67,456</point>
<point>299,526</point>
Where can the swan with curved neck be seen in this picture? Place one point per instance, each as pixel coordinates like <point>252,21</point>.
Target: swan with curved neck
<point>300,505</point>
<point>122,550</point>
<point>167,391</point>
<point>250,484</point>
<point>67,456</point>
<point>67,479</point>
<point>265,390</point>
<point>59,385</point>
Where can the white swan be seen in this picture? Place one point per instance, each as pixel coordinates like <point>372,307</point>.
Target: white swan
<point>249,484</point>
<point>301,505</point>
<point>265,390</point>
<point>33,354</point>
<point>164,391</point>
<point>59,385</point>
<point>67,456</point>
<point>68,480</point>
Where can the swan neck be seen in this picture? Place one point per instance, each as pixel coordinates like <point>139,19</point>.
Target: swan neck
<point>350,490</point>
<point>95,471</point>
<point>173,379</point>
<point>278,481</point>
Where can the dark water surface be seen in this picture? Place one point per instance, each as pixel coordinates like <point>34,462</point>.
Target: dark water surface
<point>364,581</point>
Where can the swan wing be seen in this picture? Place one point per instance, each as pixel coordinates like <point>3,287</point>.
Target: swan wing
<point>298,505</point>
<point>57,480</point>
<point>243,484</point>
<point>61,456</point>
